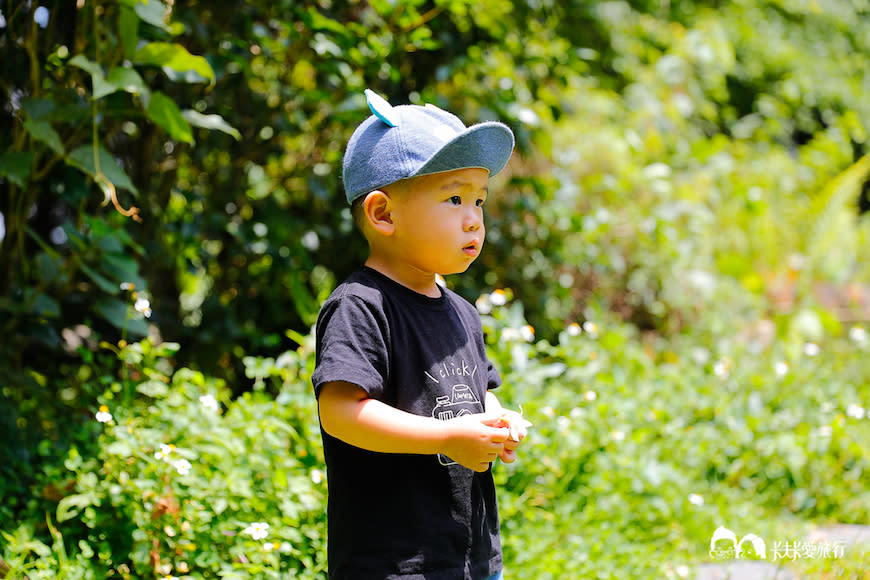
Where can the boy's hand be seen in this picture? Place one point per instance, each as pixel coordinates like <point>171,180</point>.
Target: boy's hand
<point>474,441</point>
<point>516,426</point>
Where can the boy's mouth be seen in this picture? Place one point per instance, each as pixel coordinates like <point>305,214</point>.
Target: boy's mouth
<point>472,249</point>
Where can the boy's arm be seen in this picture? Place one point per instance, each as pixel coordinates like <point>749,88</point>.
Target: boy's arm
<point>347,413</point>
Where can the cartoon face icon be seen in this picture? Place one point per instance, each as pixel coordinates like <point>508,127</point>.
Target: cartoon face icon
<point>723,544</point>
<point>751,547</point>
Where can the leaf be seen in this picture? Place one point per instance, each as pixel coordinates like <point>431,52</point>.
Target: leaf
<point>122,79</point>
<point>128,30</point>
<point>153,388</point>
<point>45,306</point>
<point>82,158</point>
<point>215,122</point>
<point>154,13</point>
<point>177,63</point>
<point>164,112</point>
<point>43,131</point>
<point>116,312</point>
<point>104,283</point>
<point>71,505</point>
<point>98,77</point>
<point>16,166</point>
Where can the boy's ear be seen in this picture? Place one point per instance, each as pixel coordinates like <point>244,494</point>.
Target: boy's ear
<point>378,211</point>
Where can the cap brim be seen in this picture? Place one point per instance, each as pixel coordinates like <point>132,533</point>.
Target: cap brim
<point>488,145</point>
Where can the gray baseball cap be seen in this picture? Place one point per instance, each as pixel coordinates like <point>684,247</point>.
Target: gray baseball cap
<point>404,141</point>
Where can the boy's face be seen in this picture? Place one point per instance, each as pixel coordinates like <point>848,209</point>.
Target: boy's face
<point>439,220</point>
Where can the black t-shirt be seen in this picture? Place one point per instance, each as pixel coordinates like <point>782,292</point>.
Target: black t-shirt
<point>408,516</point>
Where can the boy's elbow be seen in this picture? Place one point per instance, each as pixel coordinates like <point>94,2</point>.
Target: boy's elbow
<point>337,404</point>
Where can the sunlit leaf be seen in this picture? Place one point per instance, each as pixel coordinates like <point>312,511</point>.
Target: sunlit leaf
<point>214,122</point>
<point>165,113</point>
<point>122,79</point>
<point>177,63</point>
<point>153,12</point>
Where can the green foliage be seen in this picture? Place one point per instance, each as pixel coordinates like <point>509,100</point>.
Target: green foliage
<point>679,221</point>
<point>638,451</point>
<point>183,480</point>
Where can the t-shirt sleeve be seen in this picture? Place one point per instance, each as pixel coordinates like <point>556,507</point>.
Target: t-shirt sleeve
<point>352,345</point>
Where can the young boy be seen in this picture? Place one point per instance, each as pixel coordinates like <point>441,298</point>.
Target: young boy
<point>408,420</point>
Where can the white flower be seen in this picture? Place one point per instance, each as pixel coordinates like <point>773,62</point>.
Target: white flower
<point>858,334</point>
<point>508,334</point>
<point>439,279</point>
<point>127,286</point>
<point>574,329</point>
<point>590,395</point>
<point>498,298</point>
<point>781,368</point>
<point>721,368</point>
<point>617,435</point>
<point>825,431</point>
<point>143,306</point>
<point>591,328</point>
<point>165,451</point>
<point>257,530</point>
<point>483,304</point>
<point>316,475</point>
<point>696,499</point>
<point>209,402</point>
<point>683,571</point>
<point>285,548</point>
<point>182,466</point>
<point>268,546</point>
<point>103,415</point>
<point>811,349</point>
<point>528,333</point>
<point>548,411</point>
<point>855,411</point>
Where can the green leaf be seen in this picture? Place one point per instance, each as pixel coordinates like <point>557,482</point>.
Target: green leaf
<point>123,268</point>
<point>214,122</point>
<point>45,306</point>
<point>104,283</point>
<point>117,313</point>
<point>43,131</point>
<point>164,112</point>
<point>153,388</point>
<point>154,13</point>
<point>122,79</point>
<point>82,158</point>
<point>16,166</point>
<point>98,77</point>
<point>177,63</point>
<point>128,30</point>
<point>38,109</point>
<point>71,505</point>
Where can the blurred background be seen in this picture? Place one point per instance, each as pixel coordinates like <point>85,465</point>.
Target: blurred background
<point>675,281</point>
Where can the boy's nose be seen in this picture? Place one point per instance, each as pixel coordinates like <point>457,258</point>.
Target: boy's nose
<point>473,221</point>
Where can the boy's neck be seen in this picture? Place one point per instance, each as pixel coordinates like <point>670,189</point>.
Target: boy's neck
<point>421,282</point>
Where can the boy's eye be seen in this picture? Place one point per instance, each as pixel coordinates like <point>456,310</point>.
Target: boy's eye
<point>480,202</point>
<point>456,200</point>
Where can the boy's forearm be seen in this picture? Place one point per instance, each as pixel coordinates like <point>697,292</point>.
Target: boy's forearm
<point>376,426</point>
